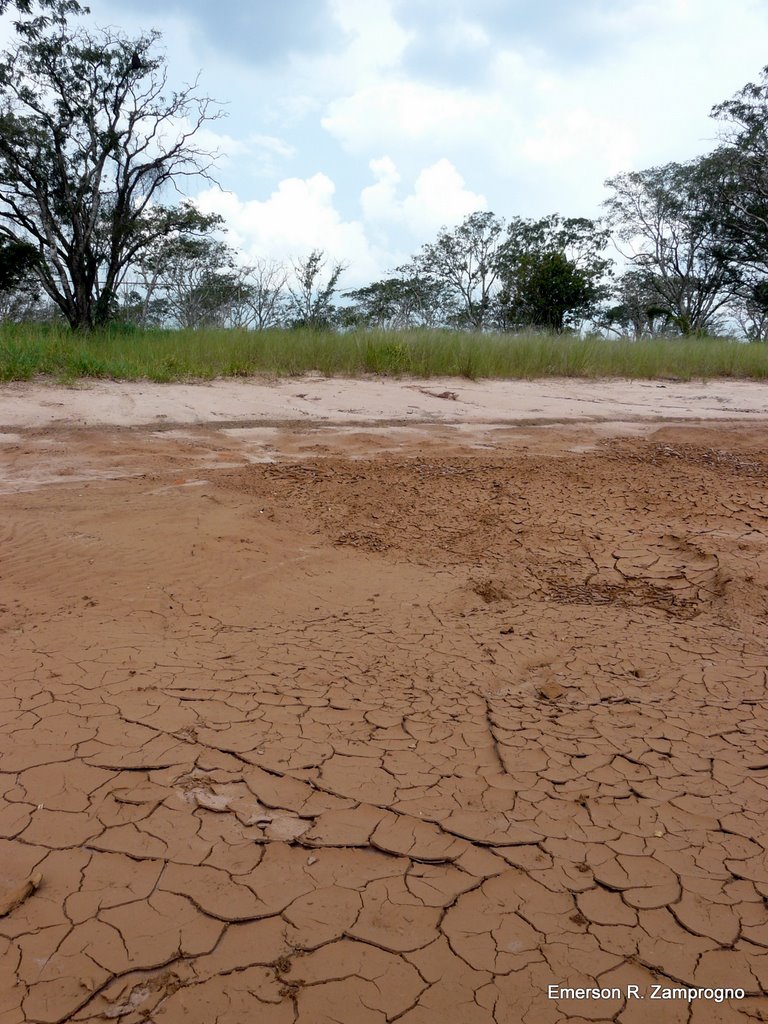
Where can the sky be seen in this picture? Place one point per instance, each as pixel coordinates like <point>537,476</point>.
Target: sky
<point>361,127</point>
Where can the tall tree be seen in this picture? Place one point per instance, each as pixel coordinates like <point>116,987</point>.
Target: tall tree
<point>465,259</point>
<point>310,298</point>
<point>399,303</point>
<point>750,310</point>
<point>264,295</point>
<point>672,221</point>
<point>88,139</point>
<point>188,276</point>
<point>638,310</point>
<point>552,272</point>
<point>742,166</point>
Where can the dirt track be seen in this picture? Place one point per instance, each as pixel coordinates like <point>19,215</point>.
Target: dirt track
<point>383,724</point>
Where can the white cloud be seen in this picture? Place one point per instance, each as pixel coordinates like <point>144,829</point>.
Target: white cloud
<point>224,145</point>
<point>535,124</point>
<point>273,145</point>
<point>376,39</point>
<point>556,129</point>
<point>379,200</point>
<point>440,197</point>
<point>463,36</point>
<point>578,135</point>
<point>640,16</point>
<point>299,216</point>
<point>264,155</point>
<point>525,124</point>
<point>400,112</point>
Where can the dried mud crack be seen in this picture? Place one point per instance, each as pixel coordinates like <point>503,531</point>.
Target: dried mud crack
<point>360,735</point>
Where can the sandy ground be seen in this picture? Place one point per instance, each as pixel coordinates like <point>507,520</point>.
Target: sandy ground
<point>352,724</point>
<point>317,399</point>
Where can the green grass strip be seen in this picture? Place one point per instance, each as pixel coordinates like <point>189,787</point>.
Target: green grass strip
<point>28,351</point>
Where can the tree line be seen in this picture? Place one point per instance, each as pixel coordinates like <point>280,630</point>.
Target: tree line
<point>92,140</point>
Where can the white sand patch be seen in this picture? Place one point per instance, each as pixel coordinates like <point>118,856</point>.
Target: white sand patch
<point>314,400</point>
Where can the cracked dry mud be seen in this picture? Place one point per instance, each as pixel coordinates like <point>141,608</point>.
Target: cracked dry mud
<point>358,737</point>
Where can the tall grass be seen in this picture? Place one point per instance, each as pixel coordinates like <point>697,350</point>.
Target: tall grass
<point>27,351</point>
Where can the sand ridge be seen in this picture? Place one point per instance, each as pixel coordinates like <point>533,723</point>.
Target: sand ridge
<point>374,725</point>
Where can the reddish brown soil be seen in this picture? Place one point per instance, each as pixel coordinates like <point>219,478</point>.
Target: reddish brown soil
<point>392,727</point>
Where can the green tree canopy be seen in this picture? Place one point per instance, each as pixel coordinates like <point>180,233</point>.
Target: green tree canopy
<point>88,139</point>
<point>465,260</point>
<point>638,309</point>
<point>552,272</point>
<point>18,261</point>
<point>399,303</point>
<point>36,16</point>
<point>187,276</point>
<point>742,166</point>
<point>310,297</point>
<point>672,220</point>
